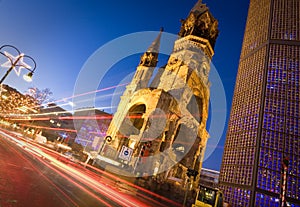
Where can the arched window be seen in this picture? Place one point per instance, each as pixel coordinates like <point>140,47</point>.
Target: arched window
<point>195,107</point>
<point>135,114</point>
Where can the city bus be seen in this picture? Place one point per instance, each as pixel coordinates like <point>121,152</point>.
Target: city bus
<point>208,197</point>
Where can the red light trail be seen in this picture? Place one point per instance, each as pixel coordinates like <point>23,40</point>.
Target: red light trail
<point>88,181</point>
<point>50,128</point>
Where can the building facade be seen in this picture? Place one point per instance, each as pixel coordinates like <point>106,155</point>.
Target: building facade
<point>209,178</point>
<point>264,126</point>
<point>91,125</point>
<point>163,122</point>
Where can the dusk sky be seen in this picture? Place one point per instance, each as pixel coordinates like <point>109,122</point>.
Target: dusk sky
<point>62,35</point>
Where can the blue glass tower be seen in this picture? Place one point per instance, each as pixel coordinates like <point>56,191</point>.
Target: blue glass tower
<point>264,125</point>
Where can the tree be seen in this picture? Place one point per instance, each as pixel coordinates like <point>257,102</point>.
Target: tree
<point>41,96</point>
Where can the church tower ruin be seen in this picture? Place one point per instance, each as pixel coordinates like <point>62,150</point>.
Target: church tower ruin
<point>160,126</point>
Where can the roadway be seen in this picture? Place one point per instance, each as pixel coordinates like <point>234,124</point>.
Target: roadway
<point>33,176</point>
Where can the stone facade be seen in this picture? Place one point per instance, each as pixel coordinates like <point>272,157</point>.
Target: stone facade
<point>163,122</point>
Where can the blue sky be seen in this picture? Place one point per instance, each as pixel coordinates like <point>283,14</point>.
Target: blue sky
<point>62,35</point>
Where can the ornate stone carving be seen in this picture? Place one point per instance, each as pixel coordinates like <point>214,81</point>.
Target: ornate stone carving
<point>201,25</point>
<point>148,59</point>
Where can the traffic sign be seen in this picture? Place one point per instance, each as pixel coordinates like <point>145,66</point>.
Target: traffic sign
<point>125,153</point>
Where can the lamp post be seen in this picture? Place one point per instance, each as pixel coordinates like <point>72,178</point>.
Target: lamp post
<point>17,63</point>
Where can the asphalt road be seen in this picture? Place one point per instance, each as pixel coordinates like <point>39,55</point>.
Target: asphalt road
<point>31,178</point>
<point>26,181</point>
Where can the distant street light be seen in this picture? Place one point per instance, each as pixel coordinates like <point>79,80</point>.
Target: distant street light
<point>17,63</point>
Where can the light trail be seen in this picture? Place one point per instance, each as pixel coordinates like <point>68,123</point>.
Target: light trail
<point>49,161</point>
<point>84,100</point>
<point>73,182</point>
<point>51,113</point>
<point>38,171</point>
<point>96,98</point>
<point>145,139</point>
<point>70,97</point>
<point>117,197</point>
<point>87,93</point>
<point>50,128</point>
<point>135,186</point>
<point>97,117</point>
<point>43,156</point>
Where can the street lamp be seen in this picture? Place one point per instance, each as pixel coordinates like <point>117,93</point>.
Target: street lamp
<point>16,63</point>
